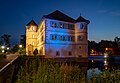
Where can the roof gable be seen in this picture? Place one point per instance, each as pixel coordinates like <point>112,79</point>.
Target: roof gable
<point>32,22</point>
<point>57,15</point>
<point>81,19</point>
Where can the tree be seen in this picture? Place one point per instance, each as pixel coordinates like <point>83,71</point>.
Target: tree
<point>117,39</point>
<point>0,41</point>
<point>6,39</point>
<point>15,48</point>
<point>23,40</point>
<point>117,45</point>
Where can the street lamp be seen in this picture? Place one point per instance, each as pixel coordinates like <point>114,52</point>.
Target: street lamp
<point>3,47</point>
<point>20,49</point>
<point>8,48</point>
<point>20,46</point>
<point>3,51</point>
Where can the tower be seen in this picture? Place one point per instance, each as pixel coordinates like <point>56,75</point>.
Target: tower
<point>81,38</point>
<point>31,32</point>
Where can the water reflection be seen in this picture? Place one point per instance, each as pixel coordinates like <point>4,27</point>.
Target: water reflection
<point>92,71</point>
<point>97,65</point>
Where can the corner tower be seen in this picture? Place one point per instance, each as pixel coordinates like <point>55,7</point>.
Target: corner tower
<point>31,36</point>
<point>81,36</point>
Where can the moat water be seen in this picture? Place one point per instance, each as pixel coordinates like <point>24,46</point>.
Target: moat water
<point>100,63</point>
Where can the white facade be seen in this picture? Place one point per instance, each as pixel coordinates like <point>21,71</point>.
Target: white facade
<point>56,38</point>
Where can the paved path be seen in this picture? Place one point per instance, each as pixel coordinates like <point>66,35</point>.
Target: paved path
<point>9,58</point>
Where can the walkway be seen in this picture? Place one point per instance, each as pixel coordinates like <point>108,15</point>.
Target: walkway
<point>9,58</point>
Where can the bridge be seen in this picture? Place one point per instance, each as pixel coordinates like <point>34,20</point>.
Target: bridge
<point>7,67</point>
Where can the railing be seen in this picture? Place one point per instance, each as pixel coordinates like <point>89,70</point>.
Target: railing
<point>7,71</point>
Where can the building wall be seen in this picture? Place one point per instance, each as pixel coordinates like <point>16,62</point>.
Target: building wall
<point>55,38</point>
<point>60,50</point>
<point>81,39</point>
<point>41,38</point>
<point>64,47</point>
<point>31,37</point>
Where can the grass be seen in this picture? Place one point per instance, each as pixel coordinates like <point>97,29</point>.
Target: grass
<point>35,70</point>
<point>2,55</point>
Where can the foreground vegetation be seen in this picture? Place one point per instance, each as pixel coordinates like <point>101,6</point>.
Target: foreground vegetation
<point>2,56</point>
<point>35,70</point>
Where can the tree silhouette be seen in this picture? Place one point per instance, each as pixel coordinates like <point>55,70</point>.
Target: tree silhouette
<point>6,39</point>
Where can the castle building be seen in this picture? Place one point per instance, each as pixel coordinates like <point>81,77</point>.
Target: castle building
<point>58,35</point>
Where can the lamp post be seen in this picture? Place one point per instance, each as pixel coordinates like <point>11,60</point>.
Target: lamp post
<point>3,49</point>
<point>20,49</point>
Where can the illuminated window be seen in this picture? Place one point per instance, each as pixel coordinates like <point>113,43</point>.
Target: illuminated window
<point>80,38</point>
<point>53,37</point>
<point>57,53</point>
<point>33,36</point>
<point>63,38</point>
<point>70,38</point>
<point>61,25</point>
<point>33,43</point>
<point>58,37</point>
<point>71,26</point>
<point>53,24</point>
<point>81,26</point>
<point>65,26</point>
<point>33,28</point>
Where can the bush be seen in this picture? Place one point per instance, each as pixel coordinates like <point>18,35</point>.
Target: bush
<point>106,77</point>
<point>2,55</point>
<point>35,70</point>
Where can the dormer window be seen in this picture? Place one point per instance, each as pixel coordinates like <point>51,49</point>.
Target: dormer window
<point>33,28</point>
<point>81,26</point>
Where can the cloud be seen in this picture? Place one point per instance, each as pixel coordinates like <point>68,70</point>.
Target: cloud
<point>109,12</point>
<point>115,13</point>
<point>102,11</point>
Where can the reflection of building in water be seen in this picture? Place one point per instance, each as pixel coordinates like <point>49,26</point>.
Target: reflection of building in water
<point>58,35</point>
<point>94,71</point>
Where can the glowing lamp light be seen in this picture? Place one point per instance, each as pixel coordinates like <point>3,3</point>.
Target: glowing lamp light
<point>106,49</point>
<point>8,48</point>
<point>2,47</point>
<point>20,46</point>
<point>3,51</point>
<point>105,56</point>
<point>106,67</point>
<point>92,61</point>
<point>105,61</point>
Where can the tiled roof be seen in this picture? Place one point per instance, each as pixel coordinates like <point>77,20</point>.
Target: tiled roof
<point>57,15</point>
<point>32,22</point>
<point>81,19</point>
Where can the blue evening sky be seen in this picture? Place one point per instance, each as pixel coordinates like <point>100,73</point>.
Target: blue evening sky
<point>104,15</point>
